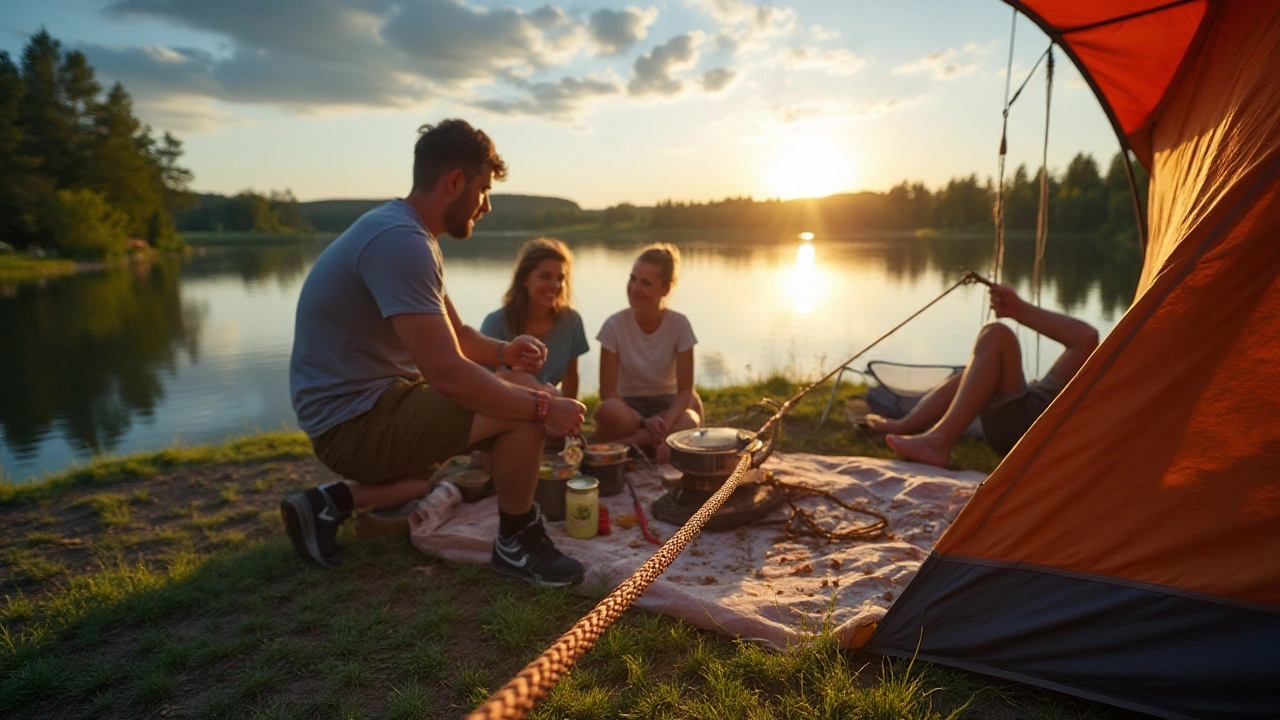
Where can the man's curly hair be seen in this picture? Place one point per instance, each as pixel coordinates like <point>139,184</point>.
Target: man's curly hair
<point>449,145</point>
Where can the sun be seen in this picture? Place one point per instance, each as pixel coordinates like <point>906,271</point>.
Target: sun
<point>808,165</point>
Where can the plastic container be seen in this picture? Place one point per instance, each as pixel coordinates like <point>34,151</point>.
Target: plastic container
<point>604,453</point>
<point>612,476</point>
<point>550,494</point>
<point>582,507</point>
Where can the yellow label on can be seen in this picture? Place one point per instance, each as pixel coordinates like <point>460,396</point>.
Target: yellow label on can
<point>582,507</point>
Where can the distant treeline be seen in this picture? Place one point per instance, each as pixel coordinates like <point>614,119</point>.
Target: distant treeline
<point>78,172</point>
<point>248,211</point>
<point>1082,200</point>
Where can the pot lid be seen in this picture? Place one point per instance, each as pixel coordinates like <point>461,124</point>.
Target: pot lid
<point>711,439</point>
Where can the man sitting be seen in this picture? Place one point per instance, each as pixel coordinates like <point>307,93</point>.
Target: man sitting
<point>992,386</point>
<point>387,381</point>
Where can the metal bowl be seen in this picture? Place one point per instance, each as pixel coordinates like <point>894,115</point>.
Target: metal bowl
<point>708,451</point>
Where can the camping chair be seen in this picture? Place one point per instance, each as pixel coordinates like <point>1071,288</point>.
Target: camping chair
<point>894,388</point>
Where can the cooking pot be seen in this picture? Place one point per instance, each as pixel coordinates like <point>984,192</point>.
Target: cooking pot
<point>715,450</point>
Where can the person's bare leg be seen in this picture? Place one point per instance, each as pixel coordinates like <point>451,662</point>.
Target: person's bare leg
<point>1080,346</point>
<point>923,415</point>
<point>618,422</point>
<point>996,366</point>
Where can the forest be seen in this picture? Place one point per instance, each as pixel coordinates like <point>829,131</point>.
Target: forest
<point>80,173</point>
<point>1082,200</point>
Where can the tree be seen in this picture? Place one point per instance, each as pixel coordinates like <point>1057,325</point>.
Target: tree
<point>48,122</point>
<point>1080,201</point>
<point>86,225</point>
<point>22,187</point>
<point>58,133</point>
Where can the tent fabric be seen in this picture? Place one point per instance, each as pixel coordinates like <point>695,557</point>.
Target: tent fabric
<point>1158,466</point>
<point>1128,50</point>
<point>1215,660</point>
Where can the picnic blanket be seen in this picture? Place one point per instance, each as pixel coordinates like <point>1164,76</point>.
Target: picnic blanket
<point>754,582</point>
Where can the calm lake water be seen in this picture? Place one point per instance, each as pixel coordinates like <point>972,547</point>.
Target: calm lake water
<point>196,350</point>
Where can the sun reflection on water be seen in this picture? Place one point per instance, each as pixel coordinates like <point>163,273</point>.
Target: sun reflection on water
<point>806,281</point>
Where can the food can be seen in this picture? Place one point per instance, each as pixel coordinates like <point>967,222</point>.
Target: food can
<point>582,507</point>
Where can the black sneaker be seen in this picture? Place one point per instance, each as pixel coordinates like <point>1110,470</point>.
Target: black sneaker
<point>312,521</point>
<point>531,556</point>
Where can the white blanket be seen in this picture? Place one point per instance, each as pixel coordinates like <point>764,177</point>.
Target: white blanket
<point>753,582</point>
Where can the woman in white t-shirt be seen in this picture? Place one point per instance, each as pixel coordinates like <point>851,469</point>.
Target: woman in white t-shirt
<point>646,361</point>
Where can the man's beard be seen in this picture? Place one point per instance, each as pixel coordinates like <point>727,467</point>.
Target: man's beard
<point>457,221</point>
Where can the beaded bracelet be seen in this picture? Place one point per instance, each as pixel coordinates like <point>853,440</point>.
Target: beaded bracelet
<point>542,404</point>
<point>502,345</point>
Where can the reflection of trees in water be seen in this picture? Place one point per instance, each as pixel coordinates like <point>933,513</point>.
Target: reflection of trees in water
<point>287,265</point>
<point>1072,267</point>
<point>86,353</point>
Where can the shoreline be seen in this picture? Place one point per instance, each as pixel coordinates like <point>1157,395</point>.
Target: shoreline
<point>734,405</point>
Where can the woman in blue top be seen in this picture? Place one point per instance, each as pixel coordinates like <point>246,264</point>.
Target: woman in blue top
<point>537,304</point>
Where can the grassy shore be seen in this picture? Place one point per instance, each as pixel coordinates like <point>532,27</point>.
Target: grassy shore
<point>161,585</point>
<point>16,268</point>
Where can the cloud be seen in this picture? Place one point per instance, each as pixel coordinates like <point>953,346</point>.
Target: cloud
<point>836,61</point>
<point>309,54</point>
<point>943,64</point>
<point>616,31</point>
<point>563,100</point>
<point>717,80</point>
<point>654,72</point>
<point>178,113</point>
<point>825,110</point>
<point>745,26</point>
<point>883,107</point>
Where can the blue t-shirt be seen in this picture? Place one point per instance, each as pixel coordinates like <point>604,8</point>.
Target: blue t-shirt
<point>345,350</point>
<point>566,340</point>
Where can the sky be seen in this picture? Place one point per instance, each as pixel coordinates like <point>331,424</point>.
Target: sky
<point>595,101</point>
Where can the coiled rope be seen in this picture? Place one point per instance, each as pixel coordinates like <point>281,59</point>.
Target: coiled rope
<point>522,693</point>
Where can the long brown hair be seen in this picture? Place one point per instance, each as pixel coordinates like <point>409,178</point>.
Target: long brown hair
<point>515,302</point>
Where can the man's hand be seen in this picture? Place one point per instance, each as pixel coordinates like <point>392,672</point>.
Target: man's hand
<point>528,351</point>
<point>565,416</point>
<point>1005,302</point>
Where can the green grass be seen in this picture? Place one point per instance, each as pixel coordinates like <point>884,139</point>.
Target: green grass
<point>109,470</point>
<point>16,268</point>
<point>183,591</point>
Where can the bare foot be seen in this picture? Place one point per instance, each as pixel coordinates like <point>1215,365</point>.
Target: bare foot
<point>920,448</point>
<point>662,453</point>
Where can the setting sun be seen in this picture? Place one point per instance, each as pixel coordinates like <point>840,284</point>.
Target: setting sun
<point>808,165</point>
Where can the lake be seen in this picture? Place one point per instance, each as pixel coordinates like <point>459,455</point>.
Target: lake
<point>196,349</point>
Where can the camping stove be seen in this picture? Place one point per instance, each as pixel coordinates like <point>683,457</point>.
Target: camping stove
<point>707,457</point>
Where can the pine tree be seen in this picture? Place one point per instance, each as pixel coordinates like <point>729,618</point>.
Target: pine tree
<point>22,187</point>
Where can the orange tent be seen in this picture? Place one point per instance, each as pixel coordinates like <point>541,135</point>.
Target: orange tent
<point>1128,549</point>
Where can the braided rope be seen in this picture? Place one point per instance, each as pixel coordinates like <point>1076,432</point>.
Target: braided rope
<point>519,696</point>
<point>522,693</point>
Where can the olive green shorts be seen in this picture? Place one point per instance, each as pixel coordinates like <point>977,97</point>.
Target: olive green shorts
<point>405,434</point>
